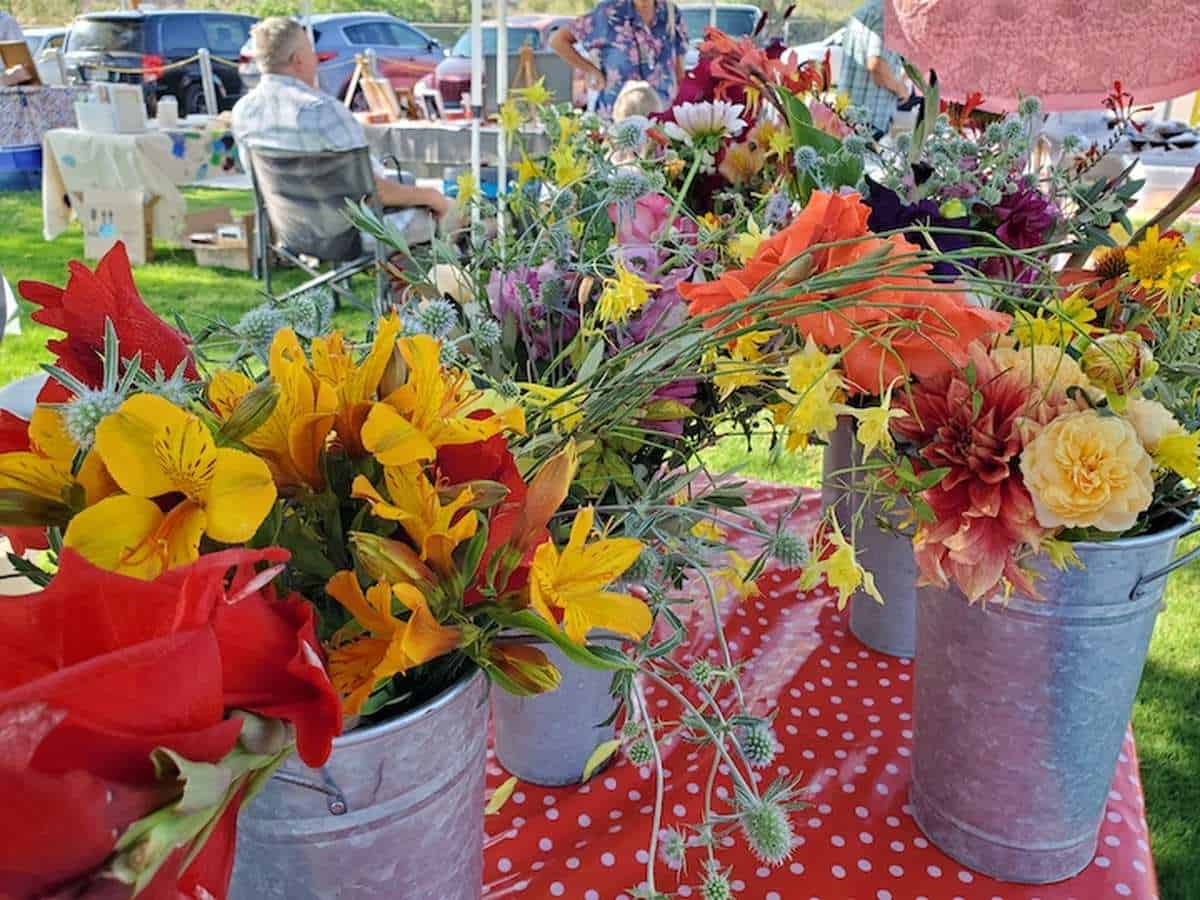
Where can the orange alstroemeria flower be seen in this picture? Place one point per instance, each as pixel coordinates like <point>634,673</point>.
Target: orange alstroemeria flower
<point>356,384</point>
<point>890,326</point>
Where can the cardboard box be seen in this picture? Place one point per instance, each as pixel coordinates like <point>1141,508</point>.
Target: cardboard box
<point>111,216</point>
<point>203,234</point>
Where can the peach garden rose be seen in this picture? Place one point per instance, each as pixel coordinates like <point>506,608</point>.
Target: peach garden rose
<point>1087,470</point>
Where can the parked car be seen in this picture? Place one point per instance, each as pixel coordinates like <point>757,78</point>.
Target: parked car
<point>150,40</point>
<point>404,53</point>
<point>735,19</point>
<point>41,43</point>
<point>452,78</point>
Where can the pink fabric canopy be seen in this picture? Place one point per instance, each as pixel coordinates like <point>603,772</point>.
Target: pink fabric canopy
<point>1066,52</point>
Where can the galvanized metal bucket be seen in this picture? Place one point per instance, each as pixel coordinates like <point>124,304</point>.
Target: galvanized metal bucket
<point>890,627</point>
<point>547,739</point>
<point>396,812</point>
<point>1021,709</point>
<point>20,397</point>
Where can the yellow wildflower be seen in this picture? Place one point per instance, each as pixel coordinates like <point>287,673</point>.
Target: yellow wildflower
<point>1160,262</point>
<point>623,296</point>
<point>1061,553</point>
<point>837,563</point>
<point>568,168</point>
<point>814,389</point>
<point>874,428</point>
<point>535,94</point>
<point>509,118</point>
<point>737,576</point>
<point>709,530</point>
<point>389,645</point>
<point>568,125</point>
<point>1058,324</point>
<point>573,581</point>
<point>153,449</point>
<point>741,370</point>
<point>527,171</point>
<point>565,413</point>
<point>841,102</point>
<point>710,222</point>
<point>1180,452</point>
<point>743,246</point>
<point>468,188</point>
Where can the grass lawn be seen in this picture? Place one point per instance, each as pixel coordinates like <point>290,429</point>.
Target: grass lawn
<point>1167,714</point>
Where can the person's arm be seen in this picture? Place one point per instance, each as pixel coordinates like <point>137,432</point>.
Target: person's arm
<point>885,76</point>
<point>562,42</point>
<point>393,193</point>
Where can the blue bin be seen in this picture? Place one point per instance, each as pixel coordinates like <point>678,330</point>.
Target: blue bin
<point>21,167</point>
<point>489,176</point>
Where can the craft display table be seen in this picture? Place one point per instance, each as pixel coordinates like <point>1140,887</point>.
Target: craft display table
<point>843,715</point>
<point>153,163</point>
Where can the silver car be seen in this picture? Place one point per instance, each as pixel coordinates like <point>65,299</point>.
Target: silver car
<point>405,54</point>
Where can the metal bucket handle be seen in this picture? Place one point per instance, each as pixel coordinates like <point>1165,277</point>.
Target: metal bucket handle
<point>336,803</point>
<point>1187,558</point>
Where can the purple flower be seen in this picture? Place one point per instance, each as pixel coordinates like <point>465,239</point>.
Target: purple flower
<point>683,391</point>
<point>540,301</point>
<point>1025,218</point>
<point>889,213</point>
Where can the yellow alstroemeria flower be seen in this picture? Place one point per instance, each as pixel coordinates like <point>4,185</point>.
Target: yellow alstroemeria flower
<point>535,94</point>
<point>435,527</point>
<point>154,449</point>
<point>390,645</point>
<point>293,437</point>
<point>874,424</point>
<point>623,296</point>
<point>568,168</point>
<point>527,171</point>
<point>429,410</point>
<point>840,568</point>
<point>567,415</point>
<point>574,579</point>
<point>44,471</point>
<point>356,384</point>
<point>736,575</point>
<point>743,246</point>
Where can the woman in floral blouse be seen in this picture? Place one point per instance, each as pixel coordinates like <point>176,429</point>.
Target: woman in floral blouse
<point>637,40</point>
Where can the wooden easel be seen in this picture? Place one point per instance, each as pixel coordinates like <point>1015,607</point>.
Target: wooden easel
<point>381,97</point>
<point>527,73</point>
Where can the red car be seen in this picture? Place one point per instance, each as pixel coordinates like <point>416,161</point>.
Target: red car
<point>452,77</point>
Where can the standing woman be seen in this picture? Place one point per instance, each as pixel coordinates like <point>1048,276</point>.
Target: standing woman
<point>638,40</point>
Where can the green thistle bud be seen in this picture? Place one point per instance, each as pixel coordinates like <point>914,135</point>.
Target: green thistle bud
<point>766,828</point>
<point>758,744</point>
<point>701,672</point>
<point>788,549</point>
<point>640,753</point>
<point>631,729</point>
<point>716,884</point>
<point>672,848</point>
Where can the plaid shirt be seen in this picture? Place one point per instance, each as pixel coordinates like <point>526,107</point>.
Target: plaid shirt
<point>864,39</point>
<point>284,113</point>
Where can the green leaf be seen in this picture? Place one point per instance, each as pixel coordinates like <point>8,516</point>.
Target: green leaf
<point>529,621</point>
<point>500,797</point>
<point>599,757</point>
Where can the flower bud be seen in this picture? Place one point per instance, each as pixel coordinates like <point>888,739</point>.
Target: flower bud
<point>528,668</point>
<point>384,559</point>
<point>23,510</point>
<point>1118,362</point>
<point>250,414</point>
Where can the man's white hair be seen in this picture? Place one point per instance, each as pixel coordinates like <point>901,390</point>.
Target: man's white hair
<point>275,40</point>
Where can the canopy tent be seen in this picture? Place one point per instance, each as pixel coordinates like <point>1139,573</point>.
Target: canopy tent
<point>1066,52</point>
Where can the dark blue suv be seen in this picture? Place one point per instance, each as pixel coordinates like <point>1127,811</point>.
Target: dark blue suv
<point>150,41</point>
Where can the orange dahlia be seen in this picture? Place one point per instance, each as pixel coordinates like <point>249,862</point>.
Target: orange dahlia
<point>983,513</point>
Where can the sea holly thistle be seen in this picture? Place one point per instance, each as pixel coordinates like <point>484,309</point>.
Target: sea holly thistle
<point>88,406</point>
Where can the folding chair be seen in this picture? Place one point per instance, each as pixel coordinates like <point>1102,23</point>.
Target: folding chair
<point>300,211</point>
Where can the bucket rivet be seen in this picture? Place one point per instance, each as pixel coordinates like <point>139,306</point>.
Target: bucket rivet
<point>337,807</point>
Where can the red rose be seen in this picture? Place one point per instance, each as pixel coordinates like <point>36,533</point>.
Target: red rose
<point>100,669</point>
<point>80,310</point>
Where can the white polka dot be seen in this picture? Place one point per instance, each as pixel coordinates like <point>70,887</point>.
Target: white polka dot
<point>572,862</point>
<point>518,797</point>
<point>824,809</point>
<point>1112,840</point>
<point>892,821</point>
<point>772,895</point>
<point>861,812</point>
<point>898,846</point>
<point>866,838</point>
<point>1102,862</point>
<point>1139,866</point>
<point>642,857</point>
<point>1114,817</point>
<point>883,895</point>
<point>552,814</point>
<point>838,872</point>
<point>557,889</point>
<point>920,842</point>
<point>584,820</point>
<point>934,871</point>
<point>796,868</point>
<point>591,894</point>
<point>896,871</point>
<point>607,859</point>
<point>814,822</point>
<point>1122,888</point>
<point>545,844</point>
<point>864,865</point>
<point>504,864</point>
<point>965,877</point>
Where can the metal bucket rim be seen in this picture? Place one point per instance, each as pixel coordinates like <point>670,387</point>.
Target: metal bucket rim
<point>445,698</point>
<point>1141,540</point>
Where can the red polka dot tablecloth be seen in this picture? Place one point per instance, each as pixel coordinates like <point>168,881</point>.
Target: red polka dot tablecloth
<point>843,717</point>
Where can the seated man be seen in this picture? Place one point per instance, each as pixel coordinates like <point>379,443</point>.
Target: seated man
<point>286,111</point>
